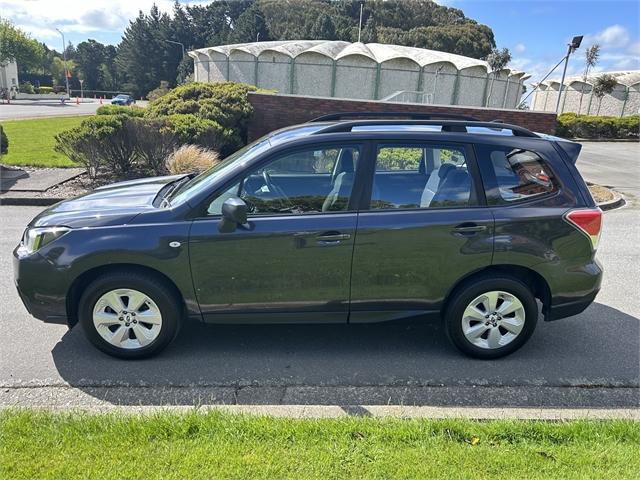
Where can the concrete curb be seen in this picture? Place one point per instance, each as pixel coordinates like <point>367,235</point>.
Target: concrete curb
<point>606,140</point>
<point>617,202</point>
<point>374,411</point>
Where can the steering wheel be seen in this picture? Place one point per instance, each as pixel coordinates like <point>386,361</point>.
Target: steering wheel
<point>275,188</point>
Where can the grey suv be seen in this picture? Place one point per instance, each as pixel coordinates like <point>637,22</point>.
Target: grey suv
<point>343,220</point>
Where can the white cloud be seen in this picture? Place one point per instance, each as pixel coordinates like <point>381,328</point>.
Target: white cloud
<point>40,18</point>
<point>634,48</point>
<point>519,48</point>
<point>614,36</point>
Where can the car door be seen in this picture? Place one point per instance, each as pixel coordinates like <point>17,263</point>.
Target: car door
<point>292,261</point>
<point>420,236</point>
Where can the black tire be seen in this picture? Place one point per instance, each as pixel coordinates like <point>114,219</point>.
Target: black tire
<point>164,297</point>
<point>465,294</point>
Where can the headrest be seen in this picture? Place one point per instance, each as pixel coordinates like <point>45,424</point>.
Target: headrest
<point>345,162</point>
<point>444,169</point>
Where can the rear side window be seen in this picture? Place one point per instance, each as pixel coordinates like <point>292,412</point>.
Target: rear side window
<point>421,176</point>
<point>514,174</point>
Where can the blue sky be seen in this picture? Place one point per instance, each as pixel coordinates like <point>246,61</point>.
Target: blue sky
<point>536,32</point>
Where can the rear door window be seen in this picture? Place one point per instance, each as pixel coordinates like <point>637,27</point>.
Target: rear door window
<point>420,176</point>
<point>514,174</point>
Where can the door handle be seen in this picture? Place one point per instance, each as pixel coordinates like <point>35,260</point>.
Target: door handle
<point>469,229</point>
<point>332,238</point>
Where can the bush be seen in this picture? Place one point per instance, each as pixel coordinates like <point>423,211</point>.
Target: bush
<point>161,91</point>
<point>102,145</point>
<point>131,111</point>
<point>4,141</point>
<point>225,103</point>
<point>191,158</point>
<point>190,129</point>
<point>153,141</point>
<point>589,126</point>
<point>26,87</point>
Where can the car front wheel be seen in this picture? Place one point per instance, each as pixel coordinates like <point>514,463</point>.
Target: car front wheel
<point>491,317</point>
<point>129,315</point>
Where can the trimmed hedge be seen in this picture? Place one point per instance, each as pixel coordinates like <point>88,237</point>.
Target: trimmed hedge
<point>120,110</point>
<point>572,125</point>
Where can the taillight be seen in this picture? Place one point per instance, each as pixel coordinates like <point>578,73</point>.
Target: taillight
<point>588,221</point>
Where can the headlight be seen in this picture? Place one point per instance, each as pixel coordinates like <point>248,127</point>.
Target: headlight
<point>36,238</point>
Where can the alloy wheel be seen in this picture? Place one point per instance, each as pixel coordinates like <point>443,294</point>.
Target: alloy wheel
<point>127,318</point>
<point>493,319</point>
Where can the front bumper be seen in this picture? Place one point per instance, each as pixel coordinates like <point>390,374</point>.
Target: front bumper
<point>42,288</point>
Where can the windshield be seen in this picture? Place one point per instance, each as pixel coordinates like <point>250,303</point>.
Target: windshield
<point>122,97</point>
<point>206,178</point>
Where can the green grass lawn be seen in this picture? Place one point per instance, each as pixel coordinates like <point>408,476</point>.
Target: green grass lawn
<point>215,445</point>
<point>31,142</point>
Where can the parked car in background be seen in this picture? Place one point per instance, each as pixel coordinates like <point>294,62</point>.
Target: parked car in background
<point>122,99</point>
<point>336,221</point>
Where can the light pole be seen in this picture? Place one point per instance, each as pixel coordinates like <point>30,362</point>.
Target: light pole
<point>177,43</point>
<point>64,58</point>
<point>573,46</point>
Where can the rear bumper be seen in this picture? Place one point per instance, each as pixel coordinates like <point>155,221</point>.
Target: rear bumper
<point>581,286</point>
<point>569,309</point>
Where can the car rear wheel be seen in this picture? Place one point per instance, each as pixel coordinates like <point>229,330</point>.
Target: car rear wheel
<point>491,317</point>
<point>129,315</point>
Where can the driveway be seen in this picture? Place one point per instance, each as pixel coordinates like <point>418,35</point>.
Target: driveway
<point>615,164</point>
<point>591,360</point>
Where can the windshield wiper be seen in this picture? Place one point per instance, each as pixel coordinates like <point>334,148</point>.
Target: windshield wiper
<point>172,187</point>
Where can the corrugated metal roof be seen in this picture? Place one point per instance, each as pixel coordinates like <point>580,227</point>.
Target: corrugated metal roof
<point>377,52</point>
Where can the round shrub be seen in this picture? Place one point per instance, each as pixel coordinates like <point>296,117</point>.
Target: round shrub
<point>225,103</point>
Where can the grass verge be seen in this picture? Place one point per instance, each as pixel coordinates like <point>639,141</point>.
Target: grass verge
<point>36,444</point>
<point>31,141</point>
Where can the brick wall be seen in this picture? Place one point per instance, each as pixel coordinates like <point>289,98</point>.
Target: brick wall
<point>276,111</point>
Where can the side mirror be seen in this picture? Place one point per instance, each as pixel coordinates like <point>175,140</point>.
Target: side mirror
<point>234,213</point>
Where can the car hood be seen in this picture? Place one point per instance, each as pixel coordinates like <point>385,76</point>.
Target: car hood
<point>114,204</point>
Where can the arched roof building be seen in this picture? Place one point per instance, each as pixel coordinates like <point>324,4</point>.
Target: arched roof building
<point>577,95</point>
<point>360,71</point>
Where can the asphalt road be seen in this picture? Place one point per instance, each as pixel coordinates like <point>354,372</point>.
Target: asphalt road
<point>615,164</point>
<point>20,109</point>
<point>591,360</point>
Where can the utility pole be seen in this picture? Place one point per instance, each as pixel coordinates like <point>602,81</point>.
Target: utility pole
<point>64,59</point>
<point>360,24</point>
<point>573,46</point>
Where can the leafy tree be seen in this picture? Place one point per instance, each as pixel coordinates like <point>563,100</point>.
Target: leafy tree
<point>603,85</point>
<point>90,57</point>
<point>592,54</point>
<point>323,28</point>
<point>15,45</point>
<point>497,60</point>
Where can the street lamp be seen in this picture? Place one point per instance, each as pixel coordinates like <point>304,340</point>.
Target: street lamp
<point>177,43</point>
<point>64,58</point>
<point>573,46</point>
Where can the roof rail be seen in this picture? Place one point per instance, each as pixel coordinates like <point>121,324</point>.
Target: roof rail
<point>386,115</point>
<point>447,126</point>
